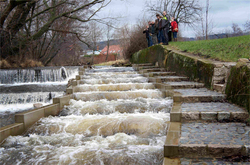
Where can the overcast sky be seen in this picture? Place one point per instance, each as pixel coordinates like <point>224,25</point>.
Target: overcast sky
<point>222,12</point>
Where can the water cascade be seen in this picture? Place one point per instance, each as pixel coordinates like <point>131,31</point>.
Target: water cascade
<point>116,122</point>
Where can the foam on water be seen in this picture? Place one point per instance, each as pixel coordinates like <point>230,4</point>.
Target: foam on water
<point>123,106</point>
<point>77,149</point>
<point>114,95</point>
<point>118,123</point>
<point>113,87</point>
<point>139,124</point>
<point>114,80</point>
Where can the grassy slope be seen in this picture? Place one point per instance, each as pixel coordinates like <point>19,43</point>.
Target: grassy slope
<point>226,49</point>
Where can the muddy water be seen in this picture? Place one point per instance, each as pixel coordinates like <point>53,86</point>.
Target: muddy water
<point>121,122</point>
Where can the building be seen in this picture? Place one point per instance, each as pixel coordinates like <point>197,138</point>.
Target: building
<point>113,49</point>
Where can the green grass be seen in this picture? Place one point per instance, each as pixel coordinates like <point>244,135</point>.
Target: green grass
<point>226,49</point>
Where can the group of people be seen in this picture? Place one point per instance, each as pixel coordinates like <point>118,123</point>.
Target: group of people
<point>159,31</point>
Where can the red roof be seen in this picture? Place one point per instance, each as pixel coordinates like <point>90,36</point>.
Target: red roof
<point>112,49</point>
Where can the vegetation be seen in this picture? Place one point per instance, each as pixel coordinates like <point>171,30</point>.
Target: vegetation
<point>112,63</point>
<point>227,49</point>
<point>46,31</point>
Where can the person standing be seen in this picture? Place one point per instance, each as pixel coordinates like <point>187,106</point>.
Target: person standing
<point>165,27</point>
<point>152,33</point>
<point>146,31</point>
<point>174,28</point>
<point>160,36</point>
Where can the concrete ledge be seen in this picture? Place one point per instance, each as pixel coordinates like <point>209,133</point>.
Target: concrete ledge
<point>81,72</point>
<point>171,146</point>
<point>30,117</point>
<point>11,130</point>
<point>69,90</point>
<point>212,116</point>
<point>51,110</point>
<point>214,151</point>
<point>168,161</point>
<point>193,99</point>
<point>175,114</point>
<point>63,100</point>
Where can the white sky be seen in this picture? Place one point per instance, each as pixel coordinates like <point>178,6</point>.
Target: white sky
<point>222,12</point>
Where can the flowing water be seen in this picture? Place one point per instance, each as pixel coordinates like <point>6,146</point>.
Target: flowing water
<point>21,88</point>
<point>108,122</point>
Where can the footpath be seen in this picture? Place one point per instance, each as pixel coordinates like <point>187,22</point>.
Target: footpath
<point>204,127</point>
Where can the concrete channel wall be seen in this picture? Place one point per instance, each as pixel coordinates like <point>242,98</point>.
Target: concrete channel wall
<point>226,77</point>
<point>25,120</point>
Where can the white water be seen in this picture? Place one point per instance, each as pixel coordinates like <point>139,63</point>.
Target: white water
<point>105,125</point>
<point>37,75</point>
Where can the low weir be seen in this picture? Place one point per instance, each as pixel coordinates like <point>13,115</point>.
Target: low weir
<point>116,117</point>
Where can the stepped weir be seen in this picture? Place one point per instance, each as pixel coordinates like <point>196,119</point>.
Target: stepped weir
<point>112,116</point>
<point>141,115</point>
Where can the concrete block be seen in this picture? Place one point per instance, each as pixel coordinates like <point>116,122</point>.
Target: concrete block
<point>74,83</point>
<point>239,116</point>
<point>81,72</point>
<point>175,117</point>
<point>209,116</point>
<point>171,151</point>
<point>223,116</point>
<point>69,90</point>
<point>193,150</point>
<point>215,150</point>
<point>30,117</point>
<point>11,130</point>
<point>63,100</point>
<point>52,110</point>
<point>78,77</point>
<point>232,150</point>
<point>177,98</point>
<point>190,116</point>
<point>82,69</point>
<point>174,161</point>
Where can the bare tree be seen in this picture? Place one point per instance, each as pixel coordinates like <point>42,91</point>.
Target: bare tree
<point>22,22</point>
<point>203,27</point>
<point>236,30</point>
<point>247,26</point>
<point>185,11</point>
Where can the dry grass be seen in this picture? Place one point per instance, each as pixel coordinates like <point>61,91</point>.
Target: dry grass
<point>31,64</point>
<point>4,64</point>
<point>113,62</point>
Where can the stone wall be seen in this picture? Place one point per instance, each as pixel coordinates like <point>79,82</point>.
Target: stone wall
<point>235,79</point>
<point>196,69</point>
<point>238,86</point>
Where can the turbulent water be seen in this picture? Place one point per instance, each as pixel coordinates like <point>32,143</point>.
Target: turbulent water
<point>21,88</point>
<point>109,123</point>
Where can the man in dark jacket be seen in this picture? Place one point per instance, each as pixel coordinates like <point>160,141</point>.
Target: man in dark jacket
<point>165,27</point>
<point>158,23</point>
<point>152,33</point>
<point>147,35</point>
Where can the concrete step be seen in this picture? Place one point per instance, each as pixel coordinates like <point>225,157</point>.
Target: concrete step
<point>214,140</point>
<point>197,95</point>
<point>219,87</point>
<point>225,161</point>
<point>183,85</point>
<point>172,78</point>
<point>208,112</point>
<point>156,69</point>
<point>155,74</point>
<point>146,67</point>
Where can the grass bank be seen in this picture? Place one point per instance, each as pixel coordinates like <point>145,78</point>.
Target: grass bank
<point>226,49</point>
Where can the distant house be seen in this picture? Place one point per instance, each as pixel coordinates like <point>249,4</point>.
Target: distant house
<point>90,52</point>
<point>113,49</point>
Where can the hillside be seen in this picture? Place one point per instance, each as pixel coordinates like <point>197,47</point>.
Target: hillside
<point>226,49</point>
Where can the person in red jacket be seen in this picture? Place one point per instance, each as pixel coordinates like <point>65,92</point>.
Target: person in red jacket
<point>174,28</point>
